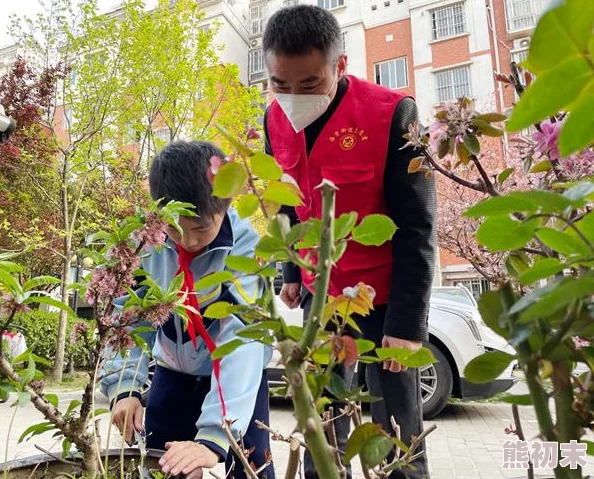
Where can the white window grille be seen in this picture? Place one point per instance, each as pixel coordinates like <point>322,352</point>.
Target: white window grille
<point>392,74</point>
<point>448,21</point>
<point>523,14</point>
<point>453,84</point>
<point>256,65</point>
<point>330,4</point>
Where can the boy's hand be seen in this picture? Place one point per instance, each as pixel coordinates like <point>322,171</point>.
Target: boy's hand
<point>127,412</point>
<point>290,294</point>
<point>187,457</point>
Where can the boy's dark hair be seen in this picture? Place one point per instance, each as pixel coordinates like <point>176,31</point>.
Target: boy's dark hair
<point>178,173</point>
<point>298,30</point>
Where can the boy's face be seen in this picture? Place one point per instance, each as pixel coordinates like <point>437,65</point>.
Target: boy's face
<point>198,232</point>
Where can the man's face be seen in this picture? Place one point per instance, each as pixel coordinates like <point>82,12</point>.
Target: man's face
<point>198,233</point>
<point>309,74</point>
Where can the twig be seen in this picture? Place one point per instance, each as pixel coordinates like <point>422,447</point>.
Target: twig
<point>277,436</point>
<point>294,458</point>
<point>489,188</point>
<point>216,476</point>
<point>328,425</point>
<point>263,466</point>
<point>397,433</point>
<point>521,437</point>
<point>476,186</point>
<point>238,451</point>
<point>57,458</point>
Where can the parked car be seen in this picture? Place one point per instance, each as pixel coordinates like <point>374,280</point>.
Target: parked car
<point>457,334</point>
<point>457,294</point>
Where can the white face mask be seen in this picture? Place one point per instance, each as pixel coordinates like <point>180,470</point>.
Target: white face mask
<point>303,110</point>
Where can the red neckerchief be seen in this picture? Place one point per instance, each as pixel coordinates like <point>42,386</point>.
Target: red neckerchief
<point>195,323</point>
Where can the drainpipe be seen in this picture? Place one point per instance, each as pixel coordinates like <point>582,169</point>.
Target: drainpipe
<point>494,38</point>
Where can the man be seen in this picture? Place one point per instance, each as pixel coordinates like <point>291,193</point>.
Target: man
<point>325,124</point>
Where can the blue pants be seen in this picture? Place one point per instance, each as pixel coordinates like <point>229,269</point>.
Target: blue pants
<point>174,405</point>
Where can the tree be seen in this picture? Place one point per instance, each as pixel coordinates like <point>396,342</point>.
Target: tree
<point>130,73</point>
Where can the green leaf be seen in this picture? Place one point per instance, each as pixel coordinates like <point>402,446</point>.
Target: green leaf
<point>40,281</point>
<point>247,205</point>
<point>472,144</point>
<point>10,283</point>
<point>492,312</point>
<point>270,248</point>
<point>359,438</point>
<point>214,279</point>
<point>541,269</point>
<point>562,242</point>
<point>52,399</point>
<point>344,224</point>
<point>376,450</point>
<point>230,180</point>
<point>297,233</point>
<point>504,175</point>
<point>339,250</point>
<point>541,167</point>
<point>589,447</point>
<point>567,292</point>
<point>30,373</point>
<point>413,359</point>
<point>23,398</point>
<point>443,147</point>
<point>100,412</point>
<point>552,91</point>
<point>337,387</point>
<point>520,201</point>
<point>71,407</point>
<point>493,117</point>
<point>282,193</point>
<point>219,310</point>
<point>49,302</point>
<point>364,346</point>
<point>226,349</point>
<point>265,166</point>
<point>578,130</point>
<point>242,264</point>
<point>502,233</point>
<point>519,399</point>
<point>36,430</point>
<point>561,33</point>
<point>487,367</point>
<point>374,230</point>
<point>66,444</point>
<point>578,193</point>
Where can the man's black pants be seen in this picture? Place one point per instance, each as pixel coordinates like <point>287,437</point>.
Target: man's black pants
<point>400,393</point>
<point>174,405</point>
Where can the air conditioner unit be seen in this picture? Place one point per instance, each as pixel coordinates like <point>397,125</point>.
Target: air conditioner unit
<point>521,43</point>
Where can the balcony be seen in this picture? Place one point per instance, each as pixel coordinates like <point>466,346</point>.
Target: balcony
<point>523,15</point>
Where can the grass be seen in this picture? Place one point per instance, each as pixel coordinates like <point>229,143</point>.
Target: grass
<point>71,382</point>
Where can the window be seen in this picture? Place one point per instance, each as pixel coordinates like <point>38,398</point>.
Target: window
<point>330,4</point>
<point>476,286</point>
<point>453,84</point>
<point>523,14</point>
<point>392,74</point>
<point>257,19</point>
<point>256,65</point>
<point>67,120</point>
<point>163,134</point>
<point>448,21</point>
<point>344,42</point>
<point>289,3</point>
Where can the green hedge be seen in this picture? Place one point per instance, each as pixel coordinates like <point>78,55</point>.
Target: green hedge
<point>41,331</point>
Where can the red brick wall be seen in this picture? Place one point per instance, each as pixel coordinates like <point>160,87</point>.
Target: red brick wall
<point>450,52</point>
<point>379,50</point>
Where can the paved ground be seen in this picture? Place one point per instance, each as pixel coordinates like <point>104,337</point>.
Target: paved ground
<point>466,445</point>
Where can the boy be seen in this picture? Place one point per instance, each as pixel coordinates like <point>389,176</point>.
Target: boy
<point>184,407</point>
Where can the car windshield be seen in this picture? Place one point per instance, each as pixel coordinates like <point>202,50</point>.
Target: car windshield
<point>452,294</point>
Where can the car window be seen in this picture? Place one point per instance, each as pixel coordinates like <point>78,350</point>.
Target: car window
<point>452,294</point>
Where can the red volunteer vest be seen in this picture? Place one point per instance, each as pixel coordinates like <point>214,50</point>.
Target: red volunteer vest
<point>350,151</point>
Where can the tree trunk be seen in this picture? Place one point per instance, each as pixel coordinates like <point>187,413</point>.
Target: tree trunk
<point>64,291</point>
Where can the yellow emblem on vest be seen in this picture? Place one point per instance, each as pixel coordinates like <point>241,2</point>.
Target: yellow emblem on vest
<point>348,137</point>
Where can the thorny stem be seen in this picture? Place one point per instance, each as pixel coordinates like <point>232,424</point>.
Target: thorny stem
<point>277,436</point>
<point>331,433</point>
<point>239,452</point>
<point>521,437</point>
<point>294,458</point>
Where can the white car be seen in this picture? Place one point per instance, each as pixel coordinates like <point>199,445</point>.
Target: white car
<point>457,334</point>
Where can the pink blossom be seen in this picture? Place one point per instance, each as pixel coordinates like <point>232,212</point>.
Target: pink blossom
<point>578,167</point>
<point>104,285</point>
<point>548,139</point>
<point>120,339</point>
<point>437,130</point>
<point>253,134</point>
<point>8,305</point>
<point>215,164</point>
<point>580,343</point>
<point>129,261</point>
<point>153,231</point>
<point>78,331</point>
<point>158,315</point>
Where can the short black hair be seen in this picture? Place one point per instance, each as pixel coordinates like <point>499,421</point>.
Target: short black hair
<point>298,30</point>
<point>178,173</point>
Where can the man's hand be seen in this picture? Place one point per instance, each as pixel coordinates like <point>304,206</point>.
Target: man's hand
<point>127,417</point>
<point>290,294</point>
<point>392,342</point>
<point>187,457</point>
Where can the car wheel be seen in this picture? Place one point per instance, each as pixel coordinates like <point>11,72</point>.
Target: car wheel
<point>144,391</point>
<point>436,383</point>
